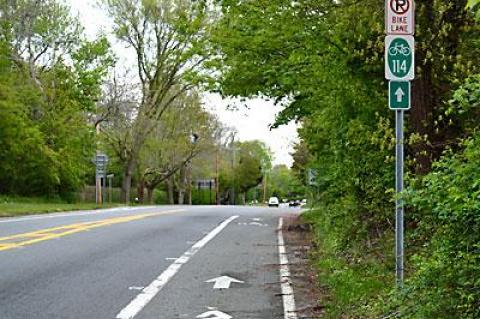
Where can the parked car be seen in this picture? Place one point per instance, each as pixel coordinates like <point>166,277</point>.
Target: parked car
<point>273,202</point>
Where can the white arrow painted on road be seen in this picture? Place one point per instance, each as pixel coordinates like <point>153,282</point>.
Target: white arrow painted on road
<point>400,94</point>
<point>223,282</point>
<point>215,314</point>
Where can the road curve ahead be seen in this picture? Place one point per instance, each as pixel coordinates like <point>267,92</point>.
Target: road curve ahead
<point>148,262</point>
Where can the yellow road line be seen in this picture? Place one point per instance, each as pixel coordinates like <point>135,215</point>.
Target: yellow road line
<point>24,239</point>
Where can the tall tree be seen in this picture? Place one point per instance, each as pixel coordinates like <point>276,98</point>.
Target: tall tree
<point>182,134</point>
<point>46,59</point>
<point>168,38</point>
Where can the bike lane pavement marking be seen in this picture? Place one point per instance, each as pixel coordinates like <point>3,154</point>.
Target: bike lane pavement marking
<point>149,292</point>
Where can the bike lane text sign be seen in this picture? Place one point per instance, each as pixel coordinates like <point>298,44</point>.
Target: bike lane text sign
<point>399,58</point>
<point>400,17</point>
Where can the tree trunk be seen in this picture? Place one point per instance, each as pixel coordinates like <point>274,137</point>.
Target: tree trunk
<point>141,190</point>
<point>189,185</point>
<point>181,197</point>
<point>170,187</point>
<point>182,185</point>
<point>242,198</point>
<point>150,195</point>
<point>421,123</point>
<point>127,181</point>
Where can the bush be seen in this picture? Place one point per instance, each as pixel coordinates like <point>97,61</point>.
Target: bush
<point>446,279</point>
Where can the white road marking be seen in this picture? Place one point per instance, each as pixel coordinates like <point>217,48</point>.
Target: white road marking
<point>135,288</point>
<point>171,258</point>
<point>215,314</point>
<point>258,224</point>
<point>289,309</point>
<point>224,282</point>
<point>253,224</point>
<point>73,214</point>
<point>149,292</point>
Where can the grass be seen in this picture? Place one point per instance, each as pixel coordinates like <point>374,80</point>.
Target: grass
<point>351,278</point>
<point>21,206</point>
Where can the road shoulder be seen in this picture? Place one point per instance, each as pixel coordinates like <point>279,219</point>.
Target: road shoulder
<point>299,243</point>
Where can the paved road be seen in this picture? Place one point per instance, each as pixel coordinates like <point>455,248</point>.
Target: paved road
<point>148,262</point>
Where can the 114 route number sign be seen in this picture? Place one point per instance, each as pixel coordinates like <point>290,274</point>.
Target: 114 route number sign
<point>400,17</point>
<point>399,57</point>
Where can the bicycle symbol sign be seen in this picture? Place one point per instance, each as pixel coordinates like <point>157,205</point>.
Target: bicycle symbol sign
<point>400,6</point>
<point>399,58</point>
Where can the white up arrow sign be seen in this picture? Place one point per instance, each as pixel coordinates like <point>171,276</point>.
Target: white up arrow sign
<point>215,314</point>
<point>400,94</point>
<point>223,282</point>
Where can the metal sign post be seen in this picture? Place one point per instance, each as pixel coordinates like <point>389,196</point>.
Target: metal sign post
<point>399,224</point>
<point>399,69</point>
<point>100,161</point>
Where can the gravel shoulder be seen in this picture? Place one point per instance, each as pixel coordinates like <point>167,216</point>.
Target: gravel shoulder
<point>299,240</point>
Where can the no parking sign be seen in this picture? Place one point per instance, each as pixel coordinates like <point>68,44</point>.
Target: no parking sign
<point>400,17</point>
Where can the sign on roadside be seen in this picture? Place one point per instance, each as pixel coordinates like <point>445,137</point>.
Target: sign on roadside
<point>399,57</point>
<point>400,17</point>
<point>399,95</point>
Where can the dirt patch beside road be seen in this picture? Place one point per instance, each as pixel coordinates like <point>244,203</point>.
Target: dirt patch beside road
<point>299,243</point>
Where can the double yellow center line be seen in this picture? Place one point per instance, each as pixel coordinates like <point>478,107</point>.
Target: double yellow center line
<point>25,239</point>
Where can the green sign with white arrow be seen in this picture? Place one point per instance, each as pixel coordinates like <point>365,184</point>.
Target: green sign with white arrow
<point>399,96</point>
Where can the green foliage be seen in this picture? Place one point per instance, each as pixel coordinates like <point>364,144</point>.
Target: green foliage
<point>323,61</point>
<point>91,64</point>
<point>46,103</point>
<point>243,167</point>
<point>474,5</point>
<point>350,278</point>
<point>26,161</point>
<point>282,183</point>
<point>464,107</point>
<point>445,281</point>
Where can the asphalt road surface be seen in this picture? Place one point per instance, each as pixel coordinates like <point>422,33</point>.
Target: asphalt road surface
<point>149,262</point>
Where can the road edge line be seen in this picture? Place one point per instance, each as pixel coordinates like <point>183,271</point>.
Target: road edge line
<point>149,292</point>
<point>289,308</point>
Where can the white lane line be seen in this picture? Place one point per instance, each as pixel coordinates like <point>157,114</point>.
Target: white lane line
<point>149,292</point>
<point>289,309</point>
<point>75,214</point>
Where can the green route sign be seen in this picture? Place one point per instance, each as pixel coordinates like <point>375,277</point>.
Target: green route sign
<point>399,57</point>
<point>399,95</point>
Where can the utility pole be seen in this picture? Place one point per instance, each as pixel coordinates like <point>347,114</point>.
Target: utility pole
<point>217,186</point>
<point>264,187</point>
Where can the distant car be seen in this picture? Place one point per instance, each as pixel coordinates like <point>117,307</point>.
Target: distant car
<point>273,202</point>
<point>294,203</point>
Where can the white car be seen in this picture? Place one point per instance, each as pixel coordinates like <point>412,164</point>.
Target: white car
<point>273,202</point>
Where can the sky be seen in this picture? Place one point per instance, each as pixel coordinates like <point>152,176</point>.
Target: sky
<point>251,122</point>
